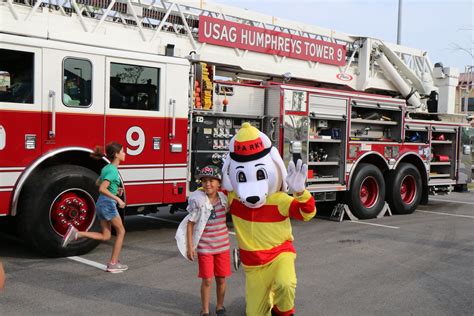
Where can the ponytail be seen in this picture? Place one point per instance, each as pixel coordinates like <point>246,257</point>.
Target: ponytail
<point>98,153</point>
<point>111,149</point>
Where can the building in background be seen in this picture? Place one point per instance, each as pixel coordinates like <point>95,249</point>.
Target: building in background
<point>465,92</point>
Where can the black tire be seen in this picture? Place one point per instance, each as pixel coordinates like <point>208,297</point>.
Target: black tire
<point>404,189</point>
<point>39,200</point>
<point>367,179</point>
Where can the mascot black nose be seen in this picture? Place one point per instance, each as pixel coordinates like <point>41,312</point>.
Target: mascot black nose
<point>253,199</point>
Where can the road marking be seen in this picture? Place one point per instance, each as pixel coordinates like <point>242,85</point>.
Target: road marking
<point>458,202</point>
<point>161,219</point>
<point>170,221</point>
<point>91,263</point>
<point>380,225</point>
<point>447,214</point>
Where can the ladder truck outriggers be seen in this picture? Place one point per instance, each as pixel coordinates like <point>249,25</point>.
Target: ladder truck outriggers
<point>174,80</point>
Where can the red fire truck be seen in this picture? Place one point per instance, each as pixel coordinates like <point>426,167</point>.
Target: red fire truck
<point>173,82</point>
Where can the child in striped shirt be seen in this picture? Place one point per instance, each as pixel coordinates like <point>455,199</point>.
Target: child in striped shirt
<point>213,246</point>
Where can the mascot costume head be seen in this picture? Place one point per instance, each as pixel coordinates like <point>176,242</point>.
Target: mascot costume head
<point>254,168</point>
<point>256,180</point>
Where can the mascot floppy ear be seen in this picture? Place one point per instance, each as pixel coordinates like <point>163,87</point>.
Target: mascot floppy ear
<point>226,184</point>
<point>281,167</point>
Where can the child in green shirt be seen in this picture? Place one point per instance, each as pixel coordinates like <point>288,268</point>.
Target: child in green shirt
<point>106,206</point>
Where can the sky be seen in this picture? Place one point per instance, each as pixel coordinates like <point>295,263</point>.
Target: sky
<point>438,27</point>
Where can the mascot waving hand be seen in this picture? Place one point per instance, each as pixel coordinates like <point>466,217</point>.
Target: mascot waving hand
<point>257,184</point>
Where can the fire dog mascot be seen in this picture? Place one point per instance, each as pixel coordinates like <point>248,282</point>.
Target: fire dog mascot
<point>257,181</point>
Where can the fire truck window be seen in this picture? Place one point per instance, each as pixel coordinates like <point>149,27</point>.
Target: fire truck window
<point>77,82</point>
<point>16,76</point>
<point>134,87</point>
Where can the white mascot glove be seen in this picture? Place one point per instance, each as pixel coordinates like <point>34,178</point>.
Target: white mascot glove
<point>296,178</point>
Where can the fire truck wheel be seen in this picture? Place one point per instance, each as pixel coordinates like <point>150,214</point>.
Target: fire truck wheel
<point>57,197</point>
<point>404,189</point>
<point>367,194</point>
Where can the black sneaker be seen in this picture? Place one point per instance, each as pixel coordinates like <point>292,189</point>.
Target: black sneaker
<point>220,312</point>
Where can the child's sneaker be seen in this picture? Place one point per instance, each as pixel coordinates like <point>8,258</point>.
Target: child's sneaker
<point>70,235</point>
<point>116,267</point>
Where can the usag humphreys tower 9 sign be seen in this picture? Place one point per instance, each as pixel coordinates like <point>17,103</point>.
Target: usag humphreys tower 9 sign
<point>257,39</point>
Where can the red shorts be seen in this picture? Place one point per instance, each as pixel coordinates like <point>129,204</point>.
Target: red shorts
<point>214,265</point>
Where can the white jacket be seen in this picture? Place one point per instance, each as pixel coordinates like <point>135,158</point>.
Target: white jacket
<point>199,209</point>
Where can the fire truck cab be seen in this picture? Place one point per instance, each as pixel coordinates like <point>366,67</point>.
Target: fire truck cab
<point>54,110</point>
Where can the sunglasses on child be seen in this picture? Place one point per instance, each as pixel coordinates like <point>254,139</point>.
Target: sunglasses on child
<point>213,213</point>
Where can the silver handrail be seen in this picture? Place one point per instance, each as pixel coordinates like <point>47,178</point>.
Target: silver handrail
<point>172,135</point>
<point>52,104</point>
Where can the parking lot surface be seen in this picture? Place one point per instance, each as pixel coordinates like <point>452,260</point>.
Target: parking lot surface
<point>418,264</point>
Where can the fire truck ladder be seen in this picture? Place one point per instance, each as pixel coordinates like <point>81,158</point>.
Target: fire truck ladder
<point>158,16</point>
<point>154,19</point>
<point>410,84</point>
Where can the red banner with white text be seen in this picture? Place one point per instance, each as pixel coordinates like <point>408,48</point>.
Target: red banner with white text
<point>230,34</point>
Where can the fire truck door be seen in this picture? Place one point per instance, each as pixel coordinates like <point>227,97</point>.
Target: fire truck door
<point>175,172</point>
<point>135,117</point>
<point>72,107</point>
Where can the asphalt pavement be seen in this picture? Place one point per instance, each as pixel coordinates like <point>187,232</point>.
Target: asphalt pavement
<point>418,264</point>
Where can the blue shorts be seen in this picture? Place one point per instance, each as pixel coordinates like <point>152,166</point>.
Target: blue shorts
<point>106,208</point>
